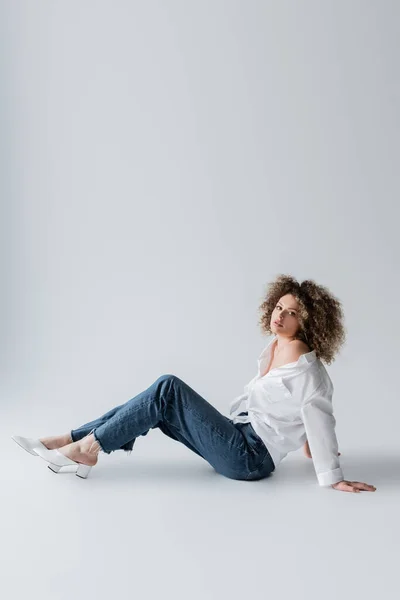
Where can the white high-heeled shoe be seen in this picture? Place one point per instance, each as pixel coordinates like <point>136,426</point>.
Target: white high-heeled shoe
<point>29,444</point>
<point>57,460</point>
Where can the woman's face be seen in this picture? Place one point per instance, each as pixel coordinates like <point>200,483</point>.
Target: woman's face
<point>286,313</point>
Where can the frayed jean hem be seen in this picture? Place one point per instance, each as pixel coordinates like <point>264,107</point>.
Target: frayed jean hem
<point>128,447</point>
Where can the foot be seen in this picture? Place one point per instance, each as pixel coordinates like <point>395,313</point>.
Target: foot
<point>84,451</point>
<point>56,441</point>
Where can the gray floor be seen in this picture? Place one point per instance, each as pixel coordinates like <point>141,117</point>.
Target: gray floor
<point>162,523</point>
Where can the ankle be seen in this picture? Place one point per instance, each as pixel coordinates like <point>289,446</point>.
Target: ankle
<point>90,445</point>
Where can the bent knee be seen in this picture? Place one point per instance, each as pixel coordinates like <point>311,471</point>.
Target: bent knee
<point>167,377</point>
<point>170,379</point>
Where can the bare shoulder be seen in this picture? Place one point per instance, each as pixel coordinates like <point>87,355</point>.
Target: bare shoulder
<point>295,349</point>
<point>300,346</point>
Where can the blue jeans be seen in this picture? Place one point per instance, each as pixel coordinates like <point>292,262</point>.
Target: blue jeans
<point>232,449</point>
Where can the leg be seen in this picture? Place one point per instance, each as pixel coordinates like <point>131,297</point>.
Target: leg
<point>182,414</point>
<point>59,441</point>
<point>84,430</point>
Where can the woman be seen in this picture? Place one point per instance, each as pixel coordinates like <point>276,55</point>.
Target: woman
<point>286,405</point>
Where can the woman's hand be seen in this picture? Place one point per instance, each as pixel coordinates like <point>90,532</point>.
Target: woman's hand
<point>353,486</point>
<point>307,450</point>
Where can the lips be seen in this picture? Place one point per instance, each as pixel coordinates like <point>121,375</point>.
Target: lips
<point>276,323</point>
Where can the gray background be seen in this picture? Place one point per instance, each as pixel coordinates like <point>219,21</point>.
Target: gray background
<point>162,161</point>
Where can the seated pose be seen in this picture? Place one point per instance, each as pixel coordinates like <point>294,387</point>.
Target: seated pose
<point>288,404</point>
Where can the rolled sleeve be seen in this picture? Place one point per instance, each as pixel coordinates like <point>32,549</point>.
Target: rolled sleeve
<point>319,423</point>
<point>330,477</point>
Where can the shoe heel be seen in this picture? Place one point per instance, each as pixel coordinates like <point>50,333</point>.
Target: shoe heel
<point>54,468</point>
<point>83,471</point>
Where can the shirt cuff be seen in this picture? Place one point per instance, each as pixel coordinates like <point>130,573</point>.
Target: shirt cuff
<point>330,477</point>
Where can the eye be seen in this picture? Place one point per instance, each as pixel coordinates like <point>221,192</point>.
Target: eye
<point>291,312</point>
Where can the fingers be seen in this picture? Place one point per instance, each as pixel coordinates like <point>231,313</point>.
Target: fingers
<point>347,486</point>
<point>363,486</point>
<point>354,486</point>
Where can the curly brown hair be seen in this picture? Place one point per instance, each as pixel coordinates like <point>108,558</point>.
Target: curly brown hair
<point>320,314</point>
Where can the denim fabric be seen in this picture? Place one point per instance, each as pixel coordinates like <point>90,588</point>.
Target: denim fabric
<point>232,449</point>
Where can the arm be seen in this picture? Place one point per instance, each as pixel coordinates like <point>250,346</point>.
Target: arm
<point>307,450</point>
<point>293,352</point>
<point>319,423</point>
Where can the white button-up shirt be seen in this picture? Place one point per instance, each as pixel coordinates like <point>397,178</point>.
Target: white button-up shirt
<point>290,404</point>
